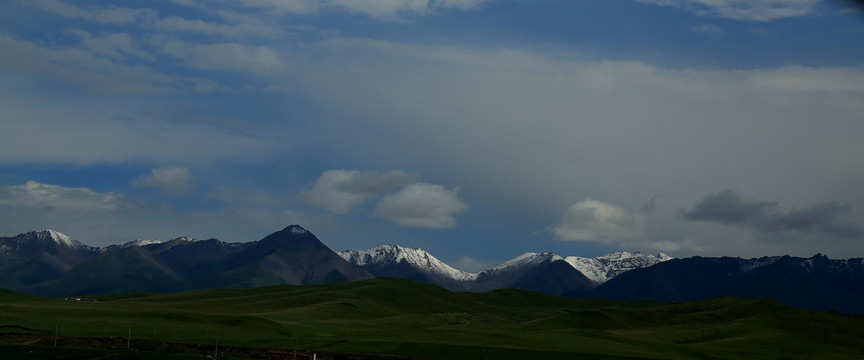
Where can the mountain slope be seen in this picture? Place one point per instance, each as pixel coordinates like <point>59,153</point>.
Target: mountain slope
<point>189,257</point>
<point>293,256</point>
<point>37,256</point>
<point>131,269</point>
<point>540,272</point>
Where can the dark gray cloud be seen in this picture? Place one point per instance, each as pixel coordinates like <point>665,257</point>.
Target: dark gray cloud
<point>727,207</point>
<point>370,182</point>
<point>651,205</point>
<point>820,218</point>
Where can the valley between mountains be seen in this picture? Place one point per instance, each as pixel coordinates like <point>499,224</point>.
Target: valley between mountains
<point>50,264</point>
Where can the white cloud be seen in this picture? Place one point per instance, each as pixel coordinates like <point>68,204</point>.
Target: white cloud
<point>90,216</point>
<point>592,220</point>
<point>115,46</point>
<point>87,130</point>
<point>848,80</point>
<point>240,27</point>
<point>498,58</point>
<point>225,56</point>
<point>380,9</point>
<point>339,191</point>
<point>422,205</point>
<point>103,218</point>
<point>170,180</point>
<point>744,10</point>
<point>710,30</point>
<point>80,67</point>
<point>45,196</point>
<point>113,15</point>
<point>469,264</point>
<point>279,6</point>
<point>391,9</point>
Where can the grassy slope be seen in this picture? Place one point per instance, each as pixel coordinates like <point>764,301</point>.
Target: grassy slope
<point>388,316</point>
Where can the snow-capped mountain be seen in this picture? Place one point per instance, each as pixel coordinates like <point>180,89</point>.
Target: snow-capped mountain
<point>408,263</point>
<point>602,268</point>
<point>541,272</point>
<point>37,256</point>
<point>39,238</point>
<point>394,254</point>
<point>544,272</point>
<point>57,237</point>
<point>36,243</point>
<point>139,242</point>
<point>521,262</point>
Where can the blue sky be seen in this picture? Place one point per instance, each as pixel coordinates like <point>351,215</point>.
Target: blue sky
<point>475,129</point>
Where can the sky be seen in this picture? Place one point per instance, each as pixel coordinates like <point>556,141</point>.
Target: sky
<point>474,129</point>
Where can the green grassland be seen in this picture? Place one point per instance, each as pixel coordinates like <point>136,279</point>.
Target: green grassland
<point>389,317</point>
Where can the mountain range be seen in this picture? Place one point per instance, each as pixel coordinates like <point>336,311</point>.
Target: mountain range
<point>49,263</point>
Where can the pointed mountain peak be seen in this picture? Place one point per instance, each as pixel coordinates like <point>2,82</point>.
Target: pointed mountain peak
<point>290,231</point>
<point>133,243</point>
<point>180,239</point>
<point>294,236</point>
<point>296,229</point>
<point>55,236</point>
<point>532,256</point>
<point>142,242</point>
<point>602,268</point>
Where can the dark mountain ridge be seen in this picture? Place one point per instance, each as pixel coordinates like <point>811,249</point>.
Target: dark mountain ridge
<point>817,283</point>
<point>47,263</point>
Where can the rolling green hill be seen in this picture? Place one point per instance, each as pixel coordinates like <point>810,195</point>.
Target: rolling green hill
<point>388,316</point>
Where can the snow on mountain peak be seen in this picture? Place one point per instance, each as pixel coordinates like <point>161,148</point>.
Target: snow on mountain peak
<point>394,254</point>
<point>297,230</point>
<point>182,238</point>
<point>602,268</point>
<point>142,242</point>
<point>57,237</point>
<point>525,260</point>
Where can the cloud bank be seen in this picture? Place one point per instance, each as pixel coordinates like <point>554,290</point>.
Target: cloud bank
<point>414,204</point>
<point>170,180</point>
<point>45,196</point>
<point>597,221</point>
<point>744,10</point>
<point>727,207</point>
<point>339,191</point>
<point>422,205</point>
